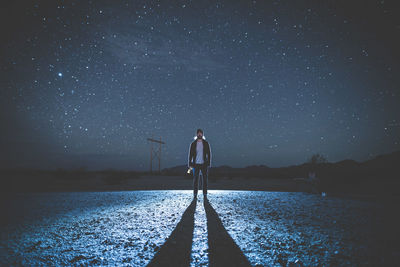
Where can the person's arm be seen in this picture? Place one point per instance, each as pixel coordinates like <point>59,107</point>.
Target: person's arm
<point>190,155</point>
<point>209,155</point>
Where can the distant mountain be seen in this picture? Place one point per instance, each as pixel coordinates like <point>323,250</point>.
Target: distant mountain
<point>177,170</point>
<point>385,166</point>
<point>384,161</point>
<point>348,163</point>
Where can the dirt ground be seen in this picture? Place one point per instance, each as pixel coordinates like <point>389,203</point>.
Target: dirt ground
<point>27,183</point>
<point>166,227</point>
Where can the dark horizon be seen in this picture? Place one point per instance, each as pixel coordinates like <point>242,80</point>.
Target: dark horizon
<point>84,84</point>
<point>163,169</point>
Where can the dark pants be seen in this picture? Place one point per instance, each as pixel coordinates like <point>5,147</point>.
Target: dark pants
<point>204,171</point>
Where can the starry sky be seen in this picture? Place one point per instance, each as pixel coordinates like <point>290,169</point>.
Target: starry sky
<point>85,83</point>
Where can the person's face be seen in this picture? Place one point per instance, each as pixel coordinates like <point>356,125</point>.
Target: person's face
<point>199,135</point>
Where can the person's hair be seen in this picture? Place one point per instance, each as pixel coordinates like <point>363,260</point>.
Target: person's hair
<point>199,130</point>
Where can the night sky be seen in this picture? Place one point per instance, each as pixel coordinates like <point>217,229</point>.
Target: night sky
<point>85,83</point>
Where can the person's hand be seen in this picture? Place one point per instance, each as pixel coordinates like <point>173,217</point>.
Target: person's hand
<point>189,170</point>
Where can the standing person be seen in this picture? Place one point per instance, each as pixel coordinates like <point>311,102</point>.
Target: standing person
<point>199,159</point>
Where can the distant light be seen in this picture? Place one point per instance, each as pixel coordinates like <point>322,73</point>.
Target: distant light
<point>59,74</point>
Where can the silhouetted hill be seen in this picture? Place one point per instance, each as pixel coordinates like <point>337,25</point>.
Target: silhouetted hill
<point>379,176</point>
<point>386,161</point>
<point>348,163</point>
<point>381,167</point>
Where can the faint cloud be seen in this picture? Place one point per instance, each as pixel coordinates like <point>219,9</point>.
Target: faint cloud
<point>142,47</point>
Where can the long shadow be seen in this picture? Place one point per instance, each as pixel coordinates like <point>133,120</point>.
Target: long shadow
<point>223,251</point>
<point>177,249</point>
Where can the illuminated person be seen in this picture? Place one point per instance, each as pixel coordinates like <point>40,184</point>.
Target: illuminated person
<point>199,159</point>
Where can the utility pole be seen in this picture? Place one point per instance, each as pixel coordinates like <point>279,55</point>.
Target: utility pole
<point>156,154</point>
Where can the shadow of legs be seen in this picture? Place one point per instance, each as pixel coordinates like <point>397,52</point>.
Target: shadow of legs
<point>223,251</point>
<point>177,249</point>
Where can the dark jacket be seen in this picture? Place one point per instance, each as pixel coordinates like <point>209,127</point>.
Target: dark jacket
<point>206,153</point>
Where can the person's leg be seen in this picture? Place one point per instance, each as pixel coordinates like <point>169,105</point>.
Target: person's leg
<point>204,171</point>
<point>196,170</point>
<point>200,177</point>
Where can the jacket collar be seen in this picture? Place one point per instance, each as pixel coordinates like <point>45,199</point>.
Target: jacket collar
<point>204,140</point>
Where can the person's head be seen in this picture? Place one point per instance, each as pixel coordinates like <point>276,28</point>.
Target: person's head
<point>199,133</point>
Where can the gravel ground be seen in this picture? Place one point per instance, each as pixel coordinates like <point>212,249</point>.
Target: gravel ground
<point>167,227</point>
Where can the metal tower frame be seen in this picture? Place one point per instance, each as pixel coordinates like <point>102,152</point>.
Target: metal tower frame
<point>157,153</point>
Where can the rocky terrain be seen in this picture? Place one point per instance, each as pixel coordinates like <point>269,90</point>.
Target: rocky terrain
<point>167,227</point>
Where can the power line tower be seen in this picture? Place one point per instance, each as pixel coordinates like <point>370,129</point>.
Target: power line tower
<point>157,153</point>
